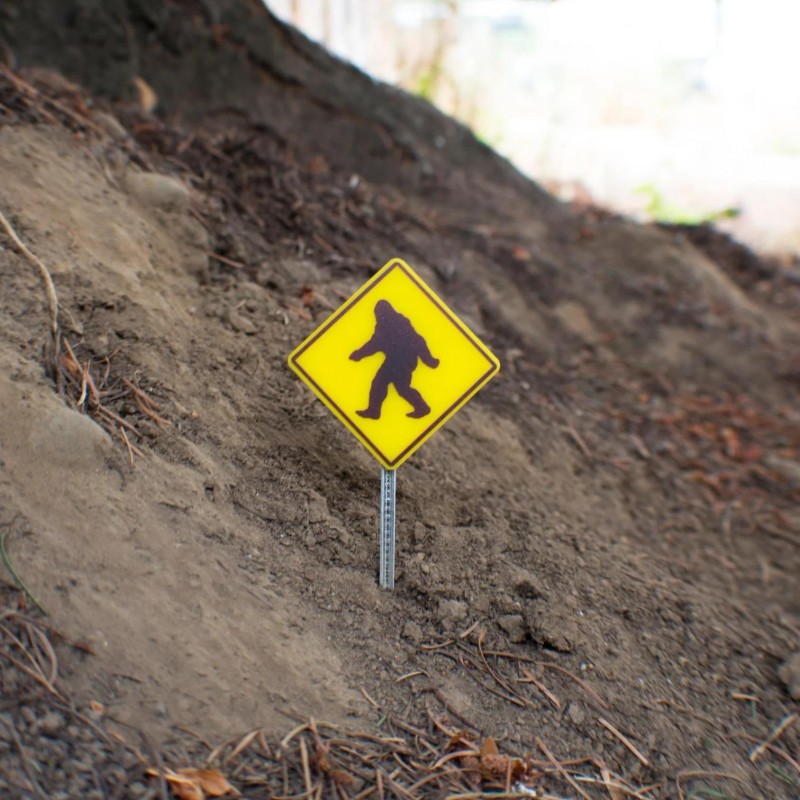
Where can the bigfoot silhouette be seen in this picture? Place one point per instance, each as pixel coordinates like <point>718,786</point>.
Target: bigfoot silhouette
<point>403,347</point>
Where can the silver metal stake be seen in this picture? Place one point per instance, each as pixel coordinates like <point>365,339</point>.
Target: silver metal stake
<point>387,543</point>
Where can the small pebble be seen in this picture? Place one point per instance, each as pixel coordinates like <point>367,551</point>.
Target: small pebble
<point>51,723</point>
<point>137,789</point>
<point>789,673</point>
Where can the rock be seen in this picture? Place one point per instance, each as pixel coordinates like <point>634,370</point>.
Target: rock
<point>51,723</point>
<point>789,673</point>
<point>575,318</point>
<point>412,632</point>
<point>110,124</point>
<point>452,611</point>
<point>525,583</point>
<point>575,714</point>
<point>160,192</point>
<point>514,625</point>
<point>788,470</point>
<point>239,322</point>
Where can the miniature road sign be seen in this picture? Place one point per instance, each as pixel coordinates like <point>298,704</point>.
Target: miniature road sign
<point>394,363</point>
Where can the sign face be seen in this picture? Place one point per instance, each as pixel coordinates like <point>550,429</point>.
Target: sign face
<point>394,363</point>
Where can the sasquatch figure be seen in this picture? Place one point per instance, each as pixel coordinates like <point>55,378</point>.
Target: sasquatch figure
<point>403,347</point>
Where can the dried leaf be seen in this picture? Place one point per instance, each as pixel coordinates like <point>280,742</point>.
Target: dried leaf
<point>307,296</point>
<point>342,778</point>
<point>148,99</point>
<point>751,454</point>
<point>495,767</point>
<point>184,788</point>
<point>320,757</point>
<point>97,708</point>
<point>210,781</point>
<point>733,444</point>
<point>489,748</point>
<point>317,165</point>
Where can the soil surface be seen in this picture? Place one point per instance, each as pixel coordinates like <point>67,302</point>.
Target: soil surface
<point>598,557</point>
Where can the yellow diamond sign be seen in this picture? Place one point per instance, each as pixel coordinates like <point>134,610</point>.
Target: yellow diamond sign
<point>394,363</point>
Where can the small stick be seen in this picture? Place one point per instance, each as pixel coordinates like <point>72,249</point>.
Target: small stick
<point>368,698</point>
<point>627,742</point>
<point>47,280</point>
<point>289,736</point>
<point>161,772</point>
<point>686,710</point>
<point>25,762</point>
<point>561,771</point>
<point>410,675</point>
<point>578,439</point>
<point>143,396</point>
<point>35,633</point>
<point>770,748</point>
<point>469,630</point>
<point>497,677</point>
<point>699,773</point>
<point>124,437</point>
<point>510,698</point>
<point>225,260</point>
<point>118,419</point>
<point>783,726</point>
<point>306,768</point>
<point>530,678</point>
<point>585,686</point>
<point>437,646</point>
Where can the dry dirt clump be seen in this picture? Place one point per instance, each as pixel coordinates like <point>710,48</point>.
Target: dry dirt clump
<point>597,589</point>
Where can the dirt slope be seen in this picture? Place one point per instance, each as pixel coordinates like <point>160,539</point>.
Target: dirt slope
<point>620,504</point>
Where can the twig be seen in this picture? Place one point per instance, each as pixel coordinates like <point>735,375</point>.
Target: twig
<point>410,675</point>
<point>25,762</point>
<point>306,767</point>
<point>691,712</point>
<point>162,781</point>
<point>497,677</point>
<point>22,585</point>
<point>699,773</point>
<point>530,678</point>
<point>561,771</point>
<point>49,286</point>
<point>782,726</point>
<point>368,698</point>
<point>585,686</point>
<point>624,739</point>
<point>225,260</point>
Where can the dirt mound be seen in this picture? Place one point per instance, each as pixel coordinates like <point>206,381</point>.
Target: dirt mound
<point>601,550</point>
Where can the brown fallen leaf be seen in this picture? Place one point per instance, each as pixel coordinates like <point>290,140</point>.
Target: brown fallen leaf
<point>196,784</point>
<point>495,767</point>
<point>183,788</point>
<point>307,296</point>
<point>210,781</point>
<point>148,99</point>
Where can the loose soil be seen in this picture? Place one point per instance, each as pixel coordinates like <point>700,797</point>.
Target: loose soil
<point>599,553</point>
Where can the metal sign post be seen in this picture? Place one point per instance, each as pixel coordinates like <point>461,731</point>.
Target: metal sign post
<point>387,542</point>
